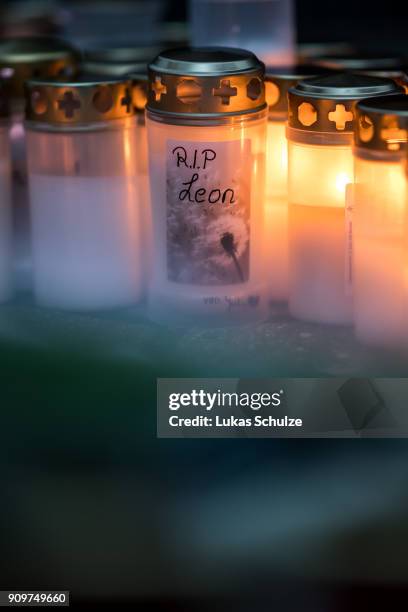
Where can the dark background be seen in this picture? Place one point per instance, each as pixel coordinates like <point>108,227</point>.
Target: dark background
<point>362,22</point>
<point>93,502</point>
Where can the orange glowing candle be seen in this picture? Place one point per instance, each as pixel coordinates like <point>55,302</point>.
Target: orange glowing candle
<point>321,119</point>
<point>277,83</point>
<point>380,245</point>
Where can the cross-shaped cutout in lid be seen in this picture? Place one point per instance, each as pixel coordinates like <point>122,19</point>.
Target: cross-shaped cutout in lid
<point>159,89</point>
<point>127,101</point>
<point>225,91</point>
<point>69,104</point>
<point>341,116</point>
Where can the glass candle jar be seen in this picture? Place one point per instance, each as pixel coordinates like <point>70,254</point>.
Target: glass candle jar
<point>321,119</point>
<point>278,81</point>
<point>83,194</point>
<point>139,97</point>
<point>6,258</point>
<point>266,27</point>
<point>380,238</point>
<point>22,59</point>
<point>130,62</point>
<point>206,124</point>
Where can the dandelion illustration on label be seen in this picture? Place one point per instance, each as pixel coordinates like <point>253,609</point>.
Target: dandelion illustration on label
<point>208,212</point>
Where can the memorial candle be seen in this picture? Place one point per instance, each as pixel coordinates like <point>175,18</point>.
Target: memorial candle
<point>206,122</point>
<point>83,193</point>
<point>320,134</point>
<point>130,62</point>
<point>380,238</point>
<point>278,81</point>
<point>22,59</point>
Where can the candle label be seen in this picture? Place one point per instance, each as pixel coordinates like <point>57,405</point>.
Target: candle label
<point>208,211</point>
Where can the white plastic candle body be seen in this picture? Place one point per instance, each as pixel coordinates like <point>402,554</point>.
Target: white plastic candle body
<point>276,211</point>
<point>380,250</point>
<point>266,27</point>
<point>6,256</point>
<point>193,274</point>
<point>320,134</point>
<point>318,176</point>
<point>143,190</point>
<point>85,216</point>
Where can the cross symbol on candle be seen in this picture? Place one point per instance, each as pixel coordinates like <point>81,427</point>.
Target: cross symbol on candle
<point>225,91</point>
<point>69,104</point>
<point>159,89</point>
<point>341,116</point>
<point>127,101</point>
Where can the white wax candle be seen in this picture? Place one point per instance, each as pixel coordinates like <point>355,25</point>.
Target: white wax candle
<point>276,212</point>
<point>195,276</point>
<point>380,253</point>
<point>318,177</point>
<point>143,191</point>
<point>85,241</point>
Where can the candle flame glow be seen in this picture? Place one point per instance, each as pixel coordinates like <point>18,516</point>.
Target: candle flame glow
<point>342,180</point>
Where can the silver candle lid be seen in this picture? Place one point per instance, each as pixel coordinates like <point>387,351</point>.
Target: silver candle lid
<point>70,103</point>
<point>140,88</point>
<point>327,104</point>
<point>207,81</point>
<point>382,123</point>
<point>35,57</point>
<point>278,81</point>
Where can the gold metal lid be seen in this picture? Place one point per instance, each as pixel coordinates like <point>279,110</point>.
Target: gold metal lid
<point>78,102</point>
<point>278,81</point>
<point>35,57</point>
<point>382,123</point>
<point>140,90</point>
<point>129,62</point>
<point>206,82</point>
<point>327,104</point>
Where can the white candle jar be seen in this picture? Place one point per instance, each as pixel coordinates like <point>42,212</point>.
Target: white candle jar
<point>22,59</point>
<point>83,194</point>
<point>206,122</point>
<point>278,81</point>
<point>6,258</point>
<point>320,135</point>
<point>139,98</point>
<point>380,238</point>
<point>130,62</point>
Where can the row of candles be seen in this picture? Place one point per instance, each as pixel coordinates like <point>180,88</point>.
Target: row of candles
<point>214,200</point>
